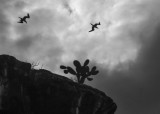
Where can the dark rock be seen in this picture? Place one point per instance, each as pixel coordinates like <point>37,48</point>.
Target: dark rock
<point>28,91</point>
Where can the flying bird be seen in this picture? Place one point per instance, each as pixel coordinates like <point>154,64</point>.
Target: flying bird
<point>94,26</point>
<point>24,18</point>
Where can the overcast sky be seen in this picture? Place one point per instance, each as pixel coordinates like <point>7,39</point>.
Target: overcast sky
<point>125,48</point>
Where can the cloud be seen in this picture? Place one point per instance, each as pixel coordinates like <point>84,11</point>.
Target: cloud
<point>125,26</point>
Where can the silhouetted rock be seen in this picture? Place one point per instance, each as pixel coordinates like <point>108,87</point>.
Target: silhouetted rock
<point>28,91</point>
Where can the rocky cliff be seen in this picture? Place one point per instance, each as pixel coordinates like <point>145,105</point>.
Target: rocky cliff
<point>24,90</point>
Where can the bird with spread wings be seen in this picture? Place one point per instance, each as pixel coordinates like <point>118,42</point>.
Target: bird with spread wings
<point>94,26</point>
<point>24,18</point>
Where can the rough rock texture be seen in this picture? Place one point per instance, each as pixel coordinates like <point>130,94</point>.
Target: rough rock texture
<point>28,91</point>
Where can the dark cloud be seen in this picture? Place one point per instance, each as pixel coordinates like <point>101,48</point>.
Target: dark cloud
<point>25,43</point>
<point>3,3</point>
<point>3,22</point>
<point>19,4</point>
<point>3,26</point>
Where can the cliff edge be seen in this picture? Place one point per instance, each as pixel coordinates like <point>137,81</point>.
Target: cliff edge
<point>24,90</point>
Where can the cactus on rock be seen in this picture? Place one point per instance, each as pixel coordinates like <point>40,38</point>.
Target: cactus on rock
<point>82,71</point>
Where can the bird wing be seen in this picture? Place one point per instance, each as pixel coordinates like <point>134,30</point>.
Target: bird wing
<point>20,21</point>
<point>25,21</point>
<point>28,15</point>
<point>20,18</point>
<point>92,27</point>
<point>90,30</point>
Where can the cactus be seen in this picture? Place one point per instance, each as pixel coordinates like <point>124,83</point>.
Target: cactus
<point>70,70</point>
<point>86,62</point>
<point>77,63</point>
<point>95,72</point>
<point>89,79</point>
<point>82,72</point>
<point>63,67</point>
<point>66,71</point>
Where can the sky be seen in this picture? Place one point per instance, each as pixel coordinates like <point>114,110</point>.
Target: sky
<point>125,48</point>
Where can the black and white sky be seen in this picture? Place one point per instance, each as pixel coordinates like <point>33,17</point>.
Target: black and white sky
<point>125,48</point>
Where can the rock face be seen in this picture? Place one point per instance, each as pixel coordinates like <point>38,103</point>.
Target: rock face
<point>28,91</point>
